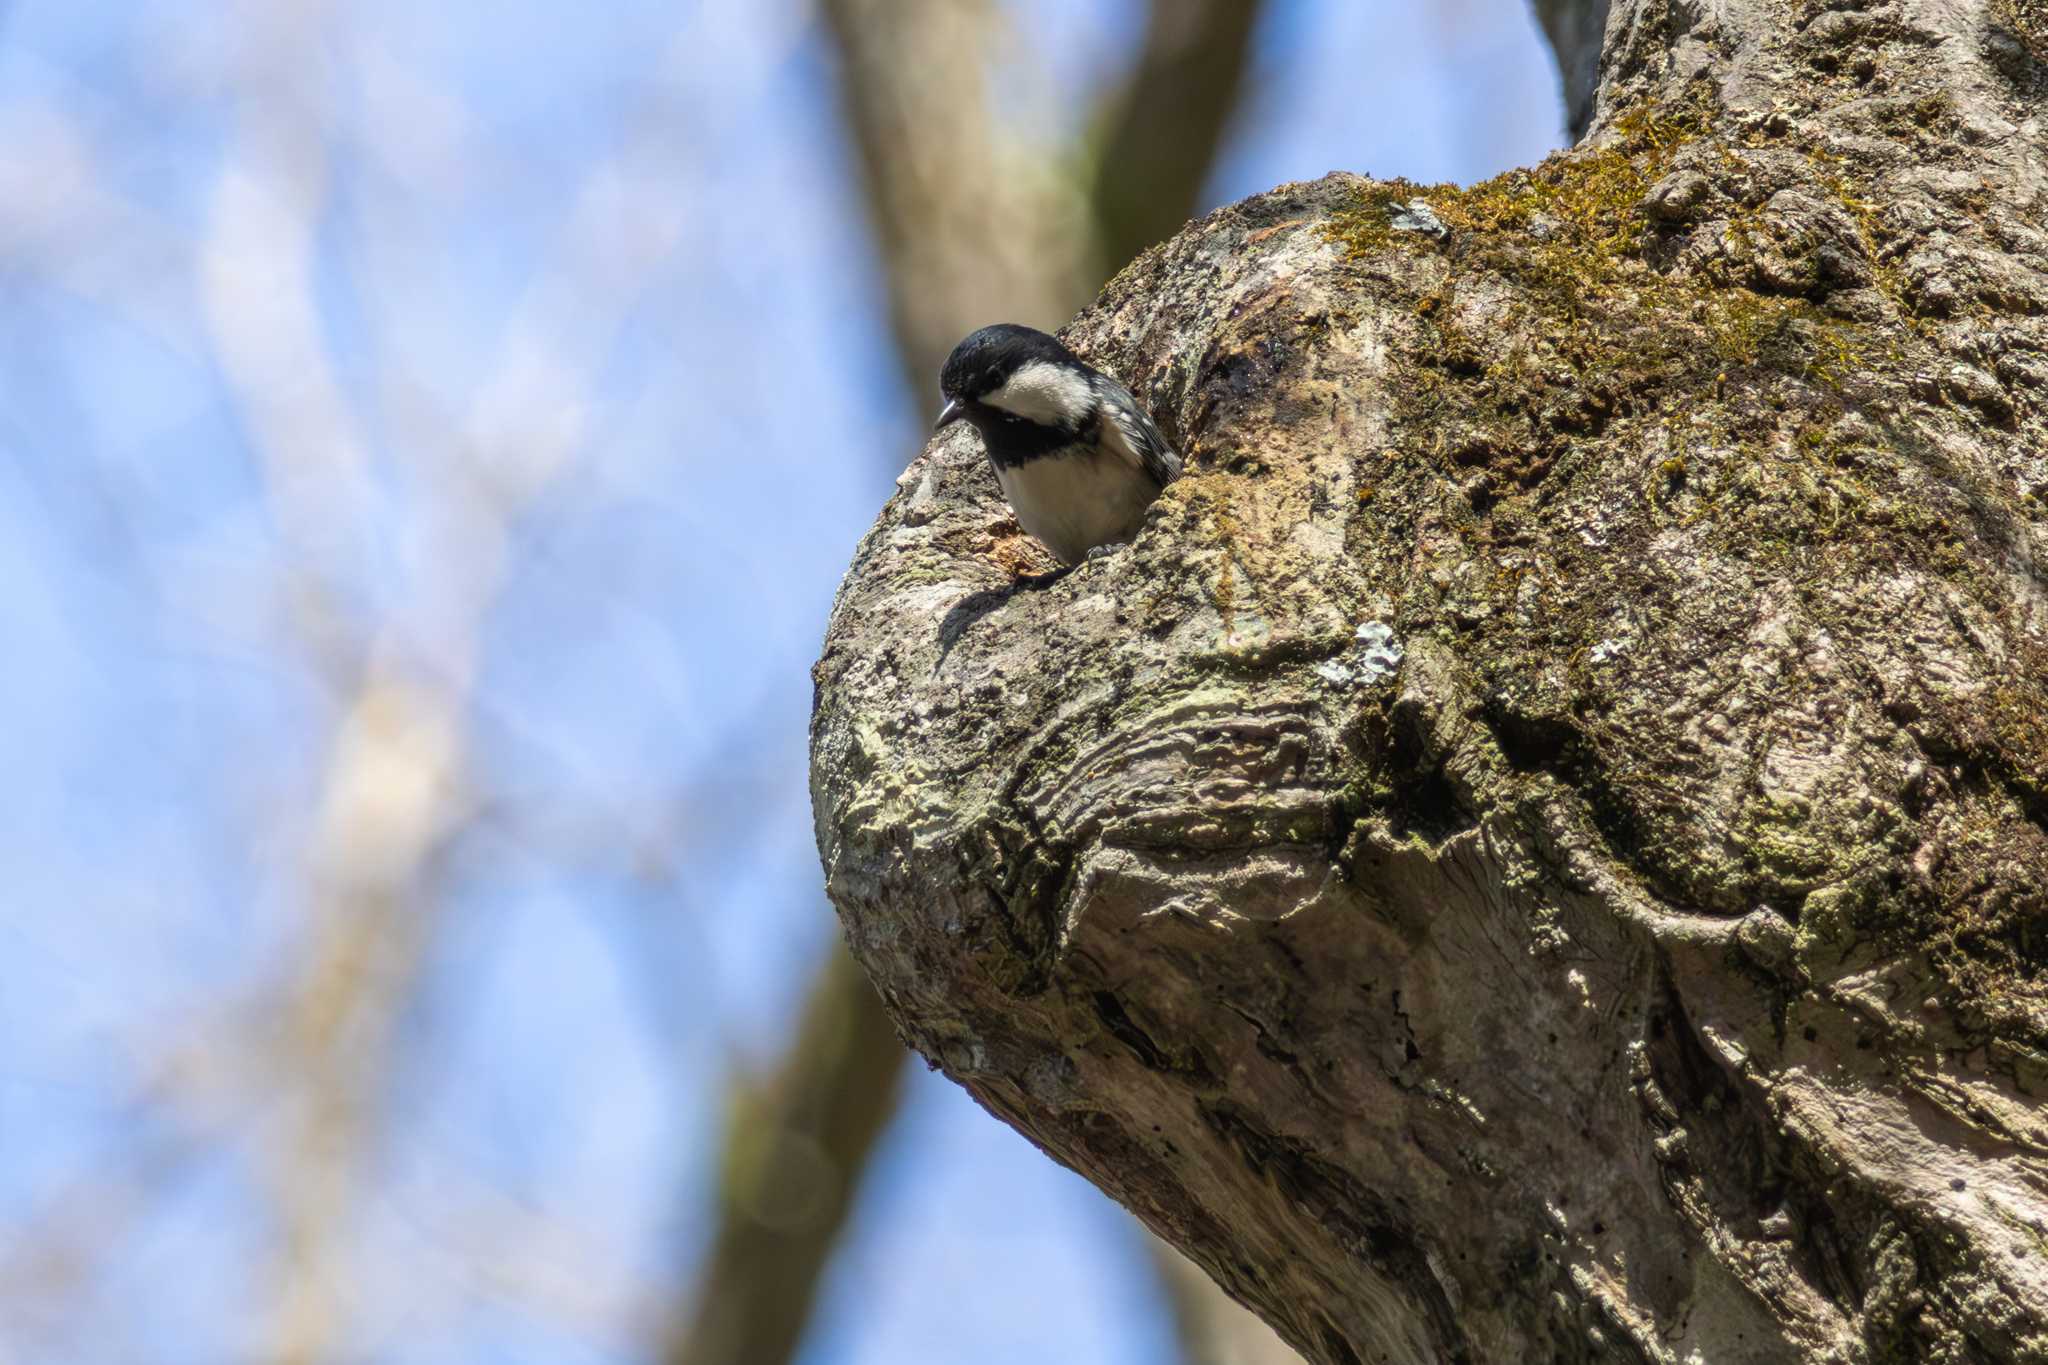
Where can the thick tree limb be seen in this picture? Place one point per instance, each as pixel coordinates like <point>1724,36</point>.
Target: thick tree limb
<point>1169,122</point>
<point>793,1164</point>
<point>1575,28</point>
<point>974,224</point>
<point>1539,850</point>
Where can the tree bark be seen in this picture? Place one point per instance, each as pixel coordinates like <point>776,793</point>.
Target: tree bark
<point>1539,851</point>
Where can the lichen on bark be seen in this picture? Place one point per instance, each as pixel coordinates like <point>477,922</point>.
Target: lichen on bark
<point>1540,848</point>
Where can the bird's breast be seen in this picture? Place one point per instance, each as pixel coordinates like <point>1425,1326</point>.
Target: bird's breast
<point>1076,498</point>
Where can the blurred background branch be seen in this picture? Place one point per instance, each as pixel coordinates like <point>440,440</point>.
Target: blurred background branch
<point>978,221</point>
<point>797,1148</point>
<point>974,225</point>
<point>1574,29</point>
<point>1165,126</point>
<point>976,218</point>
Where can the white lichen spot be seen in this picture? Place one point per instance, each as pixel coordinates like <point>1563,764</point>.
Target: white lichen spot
<point>1576,979</point>
<point>1472,1110</point>
<point>1417,216</point>
<point>1732,1051</point>
<point>1375,656</point>
<point>1608,649</point>
<point>1380,654</point>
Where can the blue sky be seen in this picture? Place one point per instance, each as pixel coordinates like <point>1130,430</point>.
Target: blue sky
<point>619,242</point>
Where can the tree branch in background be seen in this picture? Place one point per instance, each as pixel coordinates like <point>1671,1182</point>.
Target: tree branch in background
<point>1168,123</point>
<point>1575,29</point>
<point>794,1157</point>
<point>973,226</point>
<point>394,756</point>
<point>395,786</point>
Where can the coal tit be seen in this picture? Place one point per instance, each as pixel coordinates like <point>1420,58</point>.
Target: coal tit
<point>1076,456</point>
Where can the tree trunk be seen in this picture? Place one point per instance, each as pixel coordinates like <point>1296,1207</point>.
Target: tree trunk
<point>1539,851</point>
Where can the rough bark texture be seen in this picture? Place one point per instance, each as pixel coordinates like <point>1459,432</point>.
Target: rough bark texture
<point>1539,851</point>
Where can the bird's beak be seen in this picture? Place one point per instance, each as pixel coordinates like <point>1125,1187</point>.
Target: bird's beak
<point>949,414</point>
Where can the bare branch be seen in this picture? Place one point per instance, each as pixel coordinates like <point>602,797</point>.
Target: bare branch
<point>794,1155</point>
<point>393,793</point>
<point>1575,29</point>
<point>1169,121</point>
<point>972,226</point>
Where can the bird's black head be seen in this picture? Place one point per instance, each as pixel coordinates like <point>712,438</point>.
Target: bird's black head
<point>1008,373</point>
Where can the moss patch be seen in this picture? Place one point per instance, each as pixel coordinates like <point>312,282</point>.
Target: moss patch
<point>1646,314</point>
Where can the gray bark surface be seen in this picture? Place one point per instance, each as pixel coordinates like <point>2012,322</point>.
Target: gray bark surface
<point>1539,851</point>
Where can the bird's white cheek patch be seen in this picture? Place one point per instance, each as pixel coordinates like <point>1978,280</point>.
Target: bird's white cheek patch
<point>1043,392</point>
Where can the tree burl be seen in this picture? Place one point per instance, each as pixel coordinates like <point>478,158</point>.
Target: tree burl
<point>1539,850</point>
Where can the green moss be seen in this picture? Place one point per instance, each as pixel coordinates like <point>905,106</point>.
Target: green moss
<point>1832,173</point>
<point>2026,20</point>
<point>1572,237</point>
<point>1593,195</point>
<point>1558,338</point>
<point>1367,227</point>
<point>2016,715</point>
<point>1827,926</point>
<point>1594,317</point>
<point>1211,497</point>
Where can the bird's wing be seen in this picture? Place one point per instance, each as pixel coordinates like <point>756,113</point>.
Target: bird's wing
<point>1128,431</point>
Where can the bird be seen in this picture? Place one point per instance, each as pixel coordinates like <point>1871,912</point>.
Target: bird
<point>1078,460</point>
